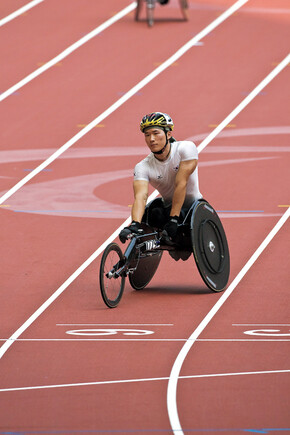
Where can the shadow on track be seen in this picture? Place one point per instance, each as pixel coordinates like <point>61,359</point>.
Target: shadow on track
<point>167,289</point>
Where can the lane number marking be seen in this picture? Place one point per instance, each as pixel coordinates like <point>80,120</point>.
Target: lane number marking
<point>109,331</point>
<point>267,332</point>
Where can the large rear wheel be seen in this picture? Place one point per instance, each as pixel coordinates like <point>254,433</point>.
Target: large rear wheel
<point>210,247</point>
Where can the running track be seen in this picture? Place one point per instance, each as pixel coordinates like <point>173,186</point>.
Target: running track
<point>60,373</point>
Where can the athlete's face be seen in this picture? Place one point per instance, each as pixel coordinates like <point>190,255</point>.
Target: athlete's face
<point>156,138</point>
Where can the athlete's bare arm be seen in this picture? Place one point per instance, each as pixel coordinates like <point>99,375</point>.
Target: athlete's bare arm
<point>185,170</point>
<point>140,194</point>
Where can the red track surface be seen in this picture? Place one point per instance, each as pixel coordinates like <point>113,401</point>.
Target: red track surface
<point>41,248</point>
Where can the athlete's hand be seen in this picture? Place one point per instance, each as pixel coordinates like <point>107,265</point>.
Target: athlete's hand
<point>170,228</point>
<point>134,228</point>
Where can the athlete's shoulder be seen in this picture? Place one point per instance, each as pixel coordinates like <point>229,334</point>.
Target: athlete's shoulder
<point>185,143</point>
<point>145,162</point>
<point>142,169</point>
<point>187,149</point>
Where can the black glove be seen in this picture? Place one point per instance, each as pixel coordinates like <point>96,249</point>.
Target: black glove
<point>134,228</point>
<point>170,228</point>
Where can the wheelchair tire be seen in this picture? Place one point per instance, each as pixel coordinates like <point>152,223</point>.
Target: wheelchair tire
<point>145,271</point>
<point>184,9</point>
<point>210,247</point>
<point>150,5</point>
<point>111,288</point>
<point>138,9</point>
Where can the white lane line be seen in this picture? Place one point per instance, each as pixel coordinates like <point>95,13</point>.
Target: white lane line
<point>114,324</point>
<point>125,98</point>
<point>68,51</point>
<point>245,102</point>
<point>61,289</point>
<point>127,381</point>
<point>174,375</point>
<point>19,12</point>
<point>261,324</point>
<point>226,340</point>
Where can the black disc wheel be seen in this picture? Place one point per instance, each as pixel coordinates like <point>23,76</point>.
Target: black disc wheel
<point>112,285</point>
<point>210,247</point>
<point>145,270</point>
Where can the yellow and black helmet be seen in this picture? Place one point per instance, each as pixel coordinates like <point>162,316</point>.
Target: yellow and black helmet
<point>156,119</point>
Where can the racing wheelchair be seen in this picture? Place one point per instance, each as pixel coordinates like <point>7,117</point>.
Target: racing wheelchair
<point>201,233</point>
<point>150,6</point>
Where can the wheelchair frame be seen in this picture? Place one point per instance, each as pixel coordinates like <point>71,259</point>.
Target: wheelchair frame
<point>150,6</point>
<point>205,239</point>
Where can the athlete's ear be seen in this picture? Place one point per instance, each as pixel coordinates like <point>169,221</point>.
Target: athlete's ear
<point>169,134</point>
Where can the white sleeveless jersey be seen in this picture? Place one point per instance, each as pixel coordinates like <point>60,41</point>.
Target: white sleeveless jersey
<point>161,175</point>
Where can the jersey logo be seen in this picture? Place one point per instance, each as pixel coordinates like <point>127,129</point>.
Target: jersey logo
<point>159,177</point>
<point>176,168</point>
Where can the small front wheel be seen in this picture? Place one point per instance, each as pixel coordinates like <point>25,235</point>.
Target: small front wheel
<point>112,285</point>
<point>150,12</point>
<point>184,9</point>
<point>138,9</point>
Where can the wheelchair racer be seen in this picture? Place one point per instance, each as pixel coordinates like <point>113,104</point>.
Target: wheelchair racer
<point>171,168</point>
